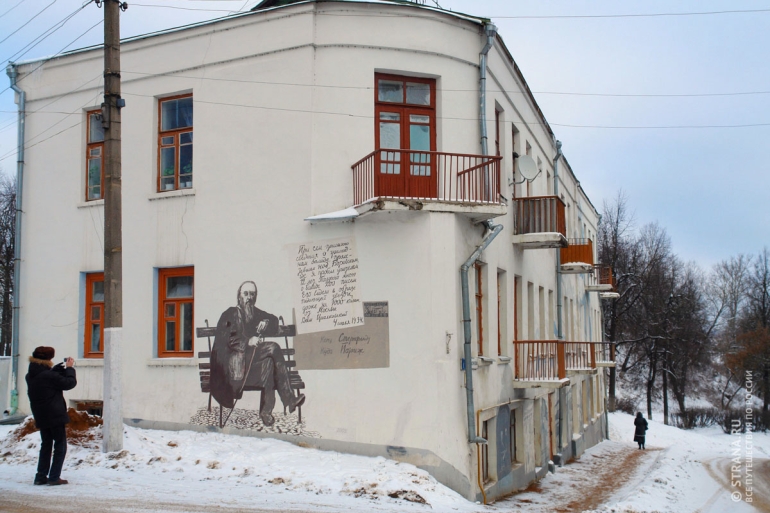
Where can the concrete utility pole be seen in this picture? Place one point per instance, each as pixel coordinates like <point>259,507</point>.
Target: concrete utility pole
<point>112,414</point>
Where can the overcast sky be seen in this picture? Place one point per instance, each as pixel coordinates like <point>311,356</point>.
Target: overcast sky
<point>675,110</point>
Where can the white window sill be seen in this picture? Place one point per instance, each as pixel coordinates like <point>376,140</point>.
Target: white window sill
<point>89,362</point>
<point>171,194</point>
<point>93,203</point>
<point>484,360</point>
<point>502,360</point>
<point>172,362</point>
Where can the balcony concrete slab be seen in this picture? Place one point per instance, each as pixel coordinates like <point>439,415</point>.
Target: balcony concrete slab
<point>531,383</point>
<point>543,240</point>
<point>477,212</point>
<point>576,268</point>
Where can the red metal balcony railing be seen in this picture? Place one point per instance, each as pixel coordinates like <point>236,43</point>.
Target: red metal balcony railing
<point>540,214</point>
<point>601,279</point>
<point>604,353</point>
<point>538,360</point>
<point>405,174</point>
<point>579,355</point>
<point>549,360</point>
<point>579,250</point>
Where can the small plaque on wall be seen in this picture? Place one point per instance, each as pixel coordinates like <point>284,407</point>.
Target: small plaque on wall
<point>358,347</point>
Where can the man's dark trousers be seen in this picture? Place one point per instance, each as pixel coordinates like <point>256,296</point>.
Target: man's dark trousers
<point>53,437</point>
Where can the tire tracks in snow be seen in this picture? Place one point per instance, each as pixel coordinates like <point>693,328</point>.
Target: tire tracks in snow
<point>720,469</point>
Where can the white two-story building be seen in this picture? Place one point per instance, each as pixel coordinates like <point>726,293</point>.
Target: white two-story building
<point>342,163</point>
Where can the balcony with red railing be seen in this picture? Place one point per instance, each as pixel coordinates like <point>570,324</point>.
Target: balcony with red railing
<point>578,257</point>
<point>547,363</point>
<point>601,279</point>
<point>428,180</point>
<point>540,222</point>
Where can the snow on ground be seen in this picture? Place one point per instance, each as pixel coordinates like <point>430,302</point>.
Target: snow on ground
<point>225,470</point>
<point>681,471</point>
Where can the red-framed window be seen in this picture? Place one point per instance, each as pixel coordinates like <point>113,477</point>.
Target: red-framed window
<point>479,307</point>
<point>175,311</point>
<point>405,119</point>
<point>94,155</point>
<point>175,143</point>
<point>93,346</point>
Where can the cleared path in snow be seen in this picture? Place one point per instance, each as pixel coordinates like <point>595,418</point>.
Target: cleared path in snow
<point>602,473</point>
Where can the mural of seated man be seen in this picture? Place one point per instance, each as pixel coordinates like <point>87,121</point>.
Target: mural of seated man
<point>239,359</point>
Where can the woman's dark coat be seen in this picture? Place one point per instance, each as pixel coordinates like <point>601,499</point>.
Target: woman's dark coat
<point>641,429</point>
<point>45,384</point>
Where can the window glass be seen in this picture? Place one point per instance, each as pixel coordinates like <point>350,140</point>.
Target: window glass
<point>95,132</point>
<point>390,91</point>
<point>167,164</point>
<point>417,93</point>
<point>185,166</point>
<point>98,291</point>
<point>186,318</point>
<point>170,335</point>
<point>96,333</point>
<point>179,286</point>
<point>419,137</point>
<point>94,178</point>
<point>390,135</point>
<point>176,114</point>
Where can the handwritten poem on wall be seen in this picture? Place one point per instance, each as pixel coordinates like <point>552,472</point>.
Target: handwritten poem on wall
<point>325,285</point>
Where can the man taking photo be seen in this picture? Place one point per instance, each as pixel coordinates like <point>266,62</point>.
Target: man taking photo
<point>45,384</point>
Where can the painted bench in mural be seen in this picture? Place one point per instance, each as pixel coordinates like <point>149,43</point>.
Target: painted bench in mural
<point>204,367</point>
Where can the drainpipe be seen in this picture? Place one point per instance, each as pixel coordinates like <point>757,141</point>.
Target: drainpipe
<point>12,74</point>
<point>559,323</point>
<point>490,235</point>
<point>491,30</point>
<point>560,331</point>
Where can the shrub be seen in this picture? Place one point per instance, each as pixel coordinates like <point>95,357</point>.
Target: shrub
<point>626,405</point>
<point>698,418</point>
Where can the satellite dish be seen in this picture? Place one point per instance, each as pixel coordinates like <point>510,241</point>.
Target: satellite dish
<point>527,167</point>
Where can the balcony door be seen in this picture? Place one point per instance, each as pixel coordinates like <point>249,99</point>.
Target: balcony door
<point>405,119</point>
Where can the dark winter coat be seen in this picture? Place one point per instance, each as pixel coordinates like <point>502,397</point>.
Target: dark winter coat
<point>641,429</point>
<point>228,356</point>
<point>45,384</point>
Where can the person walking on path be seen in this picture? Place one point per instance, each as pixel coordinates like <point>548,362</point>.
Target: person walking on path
<point>641,428</point>
<point>45,384</point>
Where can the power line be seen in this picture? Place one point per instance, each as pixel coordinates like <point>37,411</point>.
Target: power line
<point>28,22</point>
<point>660,127</point>
<point>567,93</point>
<point>12,8</point>
<point>371,116</point>
<point>42,37</point>
<point>648,15</point>
<point>185,8</point>
<point>57,53</point>
<point>60,121</point>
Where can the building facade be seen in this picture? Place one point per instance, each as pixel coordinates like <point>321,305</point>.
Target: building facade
<point>340,175</point>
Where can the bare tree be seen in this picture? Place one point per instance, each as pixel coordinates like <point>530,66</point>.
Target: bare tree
<point>7,240</point>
